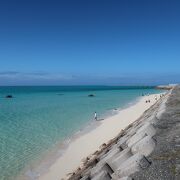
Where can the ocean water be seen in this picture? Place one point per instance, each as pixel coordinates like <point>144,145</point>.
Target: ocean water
<point>38,118</point>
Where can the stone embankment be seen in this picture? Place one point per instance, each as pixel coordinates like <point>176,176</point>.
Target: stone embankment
<point>128,155</point>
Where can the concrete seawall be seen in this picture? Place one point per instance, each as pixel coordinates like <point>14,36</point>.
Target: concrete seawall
<point>165,158</point>
<point>127,154</point>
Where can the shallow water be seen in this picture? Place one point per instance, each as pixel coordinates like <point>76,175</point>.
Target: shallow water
<point>36,119</point>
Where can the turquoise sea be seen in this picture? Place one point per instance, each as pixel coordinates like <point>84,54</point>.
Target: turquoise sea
<point>38,118</point>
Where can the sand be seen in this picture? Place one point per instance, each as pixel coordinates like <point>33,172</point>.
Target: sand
<point>88,143</point>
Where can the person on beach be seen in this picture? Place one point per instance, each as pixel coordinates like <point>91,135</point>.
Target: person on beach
<point>155,97</point>
<point>95,116</point>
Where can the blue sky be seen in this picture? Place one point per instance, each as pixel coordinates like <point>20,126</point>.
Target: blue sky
<point>109,42</point>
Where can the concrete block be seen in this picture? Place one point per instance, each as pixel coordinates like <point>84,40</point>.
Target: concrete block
<point>101,164</point>
<point>116,162</point>
<point>145,146</point>
<point>132,165</point>
<point>150,119</point>
<point>95,170</point>
<point>147,128</point>
<point>115,177</point>
<point>102,176</point>
<point>111,153</point>
<point>122,140</point>
<point>134,139</point>
<point>132,131</point>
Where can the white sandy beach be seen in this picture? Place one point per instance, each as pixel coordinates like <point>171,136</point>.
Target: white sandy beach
<point>87,144</point>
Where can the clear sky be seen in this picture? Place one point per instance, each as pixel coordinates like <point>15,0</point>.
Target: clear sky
<point>116,42</point>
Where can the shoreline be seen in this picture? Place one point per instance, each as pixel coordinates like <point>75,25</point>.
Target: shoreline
<point>129,151</point>
<point>73,156</point>
<point>39,167</point>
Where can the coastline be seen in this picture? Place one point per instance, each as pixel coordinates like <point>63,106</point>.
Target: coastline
<point>91,141</point>
<point>40,166</point>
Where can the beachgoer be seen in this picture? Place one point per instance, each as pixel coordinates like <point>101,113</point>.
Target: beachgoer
<point>95,116</point>
<point>155,97</point>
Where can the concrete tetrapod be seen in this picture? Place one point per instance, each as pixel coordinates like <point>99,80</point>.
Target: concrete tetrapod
<point>132,165</point>
<point>103,175</point>
<point>145,146</point>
